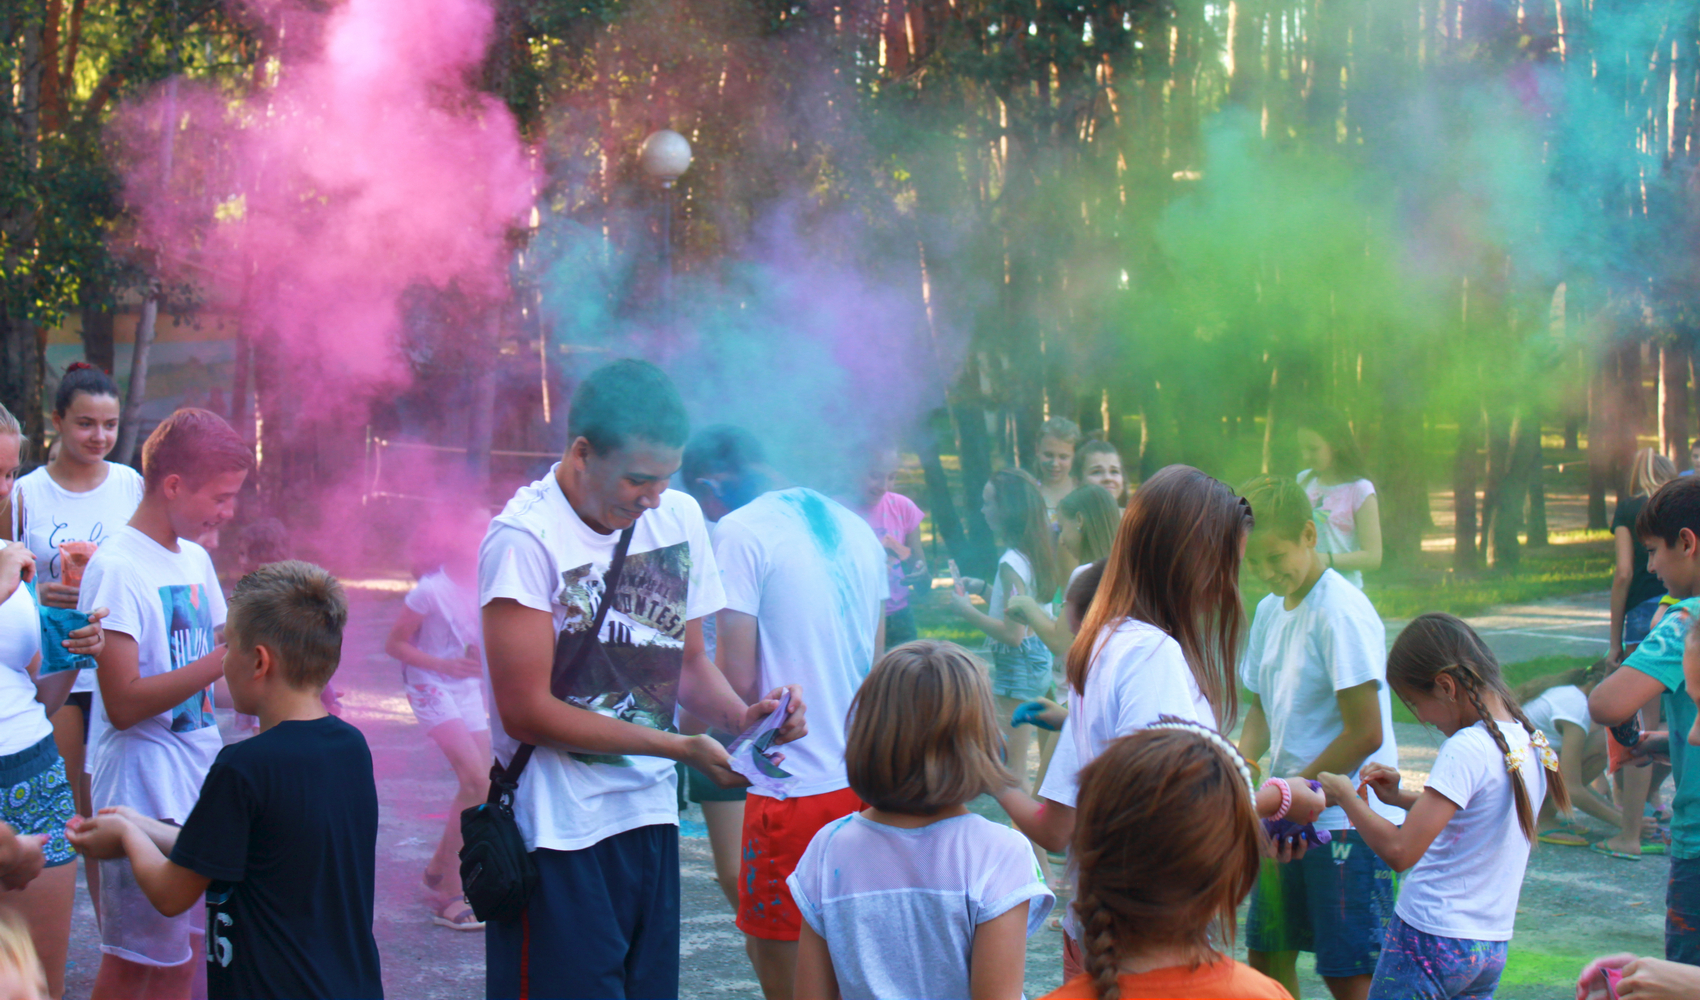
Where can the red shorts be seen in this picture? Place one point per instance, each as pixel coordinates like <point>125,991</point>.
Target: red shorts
<point>776,833</point>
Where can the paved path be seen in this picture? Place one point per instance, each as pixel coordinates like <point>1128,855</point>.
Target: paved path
<point>1574,905</point>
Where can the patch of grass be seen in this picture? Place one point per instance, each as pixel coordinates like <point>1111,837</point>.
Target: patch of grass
<point>1553,571</point>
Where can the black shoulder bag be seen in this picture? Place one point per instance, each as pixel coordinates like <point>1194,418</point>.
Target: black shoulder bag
<point>496,873</point>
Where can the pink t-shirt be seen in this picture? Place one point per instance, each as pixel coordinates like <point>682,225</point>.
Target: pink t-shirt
<point>893,518</point>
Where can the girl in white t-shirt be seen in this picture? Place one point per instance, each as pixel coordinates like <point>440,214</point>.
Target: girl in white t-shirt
<point>1348,516</point>
<point>1021,662</point>
<point>916,896</point>
<point>78,497</point>
<point>1557,704</point>
<point>1467,835</point>
<point>438,638</point>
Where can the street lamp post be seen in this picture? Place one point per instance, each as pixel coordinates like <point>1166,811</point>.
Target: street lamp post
<point>666,155</point>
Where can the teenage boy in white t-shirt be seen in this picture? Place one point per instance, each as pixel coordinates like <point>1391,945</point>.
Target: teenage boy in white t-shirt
<point>806,585</point>
<point>157,736</point>
<point>1316,667</point>
<point>597,804</point>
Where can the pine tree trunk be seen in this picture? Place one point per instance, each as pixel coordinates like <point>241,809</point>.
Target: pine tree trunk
<point>1466,472</point>
<point>130,425</point>
<point>1673,403</point>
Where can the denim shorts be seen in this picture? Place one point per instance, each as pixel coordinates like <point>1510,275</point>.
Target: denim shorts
<point>37,798</point>
<point>1418,966</point>
<point>1336,901</point>
<point>1022,672</point>
<point>1638,621</point>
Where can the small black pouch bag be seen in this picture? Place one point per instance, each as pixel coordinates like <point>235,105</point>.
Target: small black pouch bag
<point>496,872</point>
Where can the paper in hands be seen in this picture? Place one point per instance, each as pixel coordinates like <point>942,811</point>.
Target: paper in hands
<point>749,754</point>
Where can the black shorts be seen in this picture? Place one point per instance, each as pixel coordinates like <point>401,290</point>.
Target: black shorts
<point>83,701</point>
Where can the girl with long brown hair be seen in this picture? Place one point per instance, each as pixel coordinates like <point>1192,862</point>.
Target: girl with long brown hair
<point>1157,895</point>
<point>1161,639</point>
<point>1452,924</point>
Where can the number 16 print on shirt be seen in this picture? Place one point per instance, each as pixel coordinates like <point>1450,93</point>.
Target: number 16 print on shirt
<point>189,636</point>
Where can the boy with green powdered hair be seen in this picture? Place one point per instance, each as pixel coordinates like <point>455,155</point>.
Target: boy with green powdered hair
<point>1315,665</point>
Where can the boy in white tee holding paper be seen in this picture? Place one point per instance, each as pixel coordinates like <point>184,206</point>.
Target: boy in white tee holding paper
<point>1316,666</point>
<point>157,736</point>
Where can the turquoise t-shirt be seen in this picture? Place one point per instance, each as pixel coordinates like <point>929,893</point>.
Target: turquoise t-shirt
<point>1660,657</point>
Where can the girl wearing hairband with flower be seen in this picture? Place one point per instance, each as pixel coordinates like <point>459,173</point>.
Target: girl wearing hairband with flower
<point>1157,898</point>
<point>1467,835</point>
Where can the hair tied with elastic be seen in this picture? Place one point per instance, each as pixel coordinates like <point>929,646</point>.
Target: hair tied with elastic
<point>1232,752</point>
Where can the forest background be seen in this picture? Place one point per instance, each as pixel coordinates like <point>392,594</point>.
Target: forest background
<point>1467,224</point>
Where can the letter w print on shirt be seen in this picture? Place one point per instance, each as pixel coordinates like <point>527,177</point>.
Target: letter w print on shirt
<point>188,636</point>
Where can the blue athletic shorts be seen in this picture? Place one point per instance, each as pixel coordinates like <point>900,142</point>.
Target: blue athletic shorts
<point>1336,901</point>
<point>603,923</point>
<point>1418,966</point>
<point>37,798</point>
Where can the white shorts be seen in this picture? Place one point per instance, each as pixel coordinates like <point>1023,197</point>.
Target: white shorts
<point>131,929</point>
<point>436,699</point>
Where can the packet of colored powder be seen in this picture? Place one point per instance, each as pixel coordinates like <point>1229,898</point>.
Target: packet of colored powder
<point>751,758</point>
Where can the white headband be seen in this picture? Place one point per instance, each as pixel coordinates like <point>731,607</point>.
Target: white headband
<point>1233,752</point>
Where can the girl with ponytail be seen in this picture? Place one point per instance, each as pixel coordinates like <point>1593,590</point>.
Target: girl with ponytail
<point>1157,893</point>
<point>1467,835</point>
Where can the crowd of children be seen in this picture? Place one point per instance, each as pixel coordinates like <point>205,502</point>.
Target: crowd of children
<point>608,628</point>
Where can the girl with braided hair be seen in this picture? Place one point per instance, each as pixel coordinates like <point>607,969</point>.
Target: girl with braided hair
<point>1157,898</point>
<point>1466,837</point>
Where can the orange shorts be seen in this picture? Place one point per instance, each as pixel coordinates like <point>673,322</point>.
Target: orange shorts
<point>776,833</point>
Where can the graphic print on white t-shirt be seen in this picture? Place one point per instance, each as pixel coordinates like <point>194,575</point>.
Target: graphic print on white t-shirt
<point>643,636</point>
<point>189,635</point>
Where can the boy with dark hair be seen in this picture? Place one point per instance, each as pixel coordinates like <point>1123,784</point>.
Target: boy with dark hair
<point>1669,526</point>
<point>283,840</point>
<point>1315,665</point>
<point>601,819</point>
<point>154,735</point>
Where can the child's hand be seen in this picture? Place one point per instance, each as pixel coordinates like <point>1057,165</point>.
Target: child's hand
<point>796,724</point>
<point>17,563</point>
<point>1385,780</point>
<point>1041,712</point>
<point>961,604</point>
<point>1308,803</point>
<point>1025,610</point>
<point>460,667</point>
<point>1338,786</point>
<point>89,640</point>
<point>58,595</point>
<point>101,837</point>
<point>21,859</point>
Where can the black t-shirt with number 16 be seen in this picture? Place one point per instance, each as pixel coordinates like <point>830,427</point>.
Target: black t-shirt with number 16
<point>287,829</point>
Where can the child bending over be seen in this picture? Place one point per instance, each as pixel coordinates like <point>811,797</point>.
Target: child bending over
<point>1466,836</point>
<point>283,839</point>
<point>915,896</point>
<point>1167,842</point>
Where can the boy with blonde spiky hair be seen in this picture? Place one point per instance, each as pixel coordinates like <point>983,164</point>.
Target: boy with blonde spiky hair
<point>283,839</point>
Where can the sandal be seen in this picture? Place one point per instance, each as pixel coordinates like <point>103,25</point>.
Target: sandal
<point>457,915</point>
<point>1564,836</point>
<point>1601,848</point>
